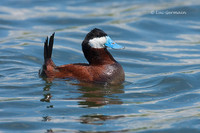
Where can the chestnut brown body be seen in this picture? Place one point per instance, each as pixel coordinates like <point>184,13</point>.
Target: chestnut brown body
<point>102,67</point>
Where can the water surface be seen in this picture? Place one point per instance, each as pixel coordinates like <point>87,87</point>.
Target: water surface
<point>161,62</point>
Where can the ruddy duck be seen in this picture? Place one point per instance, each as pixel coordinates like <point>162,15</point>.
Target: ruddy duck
<point>102,67</point>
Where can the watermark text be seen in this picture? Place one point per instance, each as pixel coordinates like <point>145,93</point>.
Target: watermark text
<point>167,12</point>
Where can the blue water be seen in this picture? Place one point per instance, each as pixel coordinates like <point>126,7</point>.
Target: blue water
<point>161,62</point>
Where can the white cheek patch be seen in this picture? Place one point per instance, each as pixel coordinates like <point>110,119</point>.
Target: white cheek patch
<point>98,42</point>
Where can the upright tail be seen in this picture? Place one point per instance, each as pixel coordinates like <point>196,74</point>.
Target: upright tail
<point>48,67</point>
<point>48,48</point>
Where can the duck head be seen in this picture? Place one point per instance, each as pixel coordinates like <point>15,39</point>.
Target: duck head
<point>95,46</point>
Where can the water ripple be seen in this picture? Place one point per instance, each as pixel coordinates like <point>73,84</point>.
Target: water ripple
<point>160,59</point>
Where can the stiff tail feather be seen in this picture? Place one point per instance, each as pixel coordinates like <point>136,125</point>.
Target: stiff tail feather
<point>48,65</point>
<point>48,48</point>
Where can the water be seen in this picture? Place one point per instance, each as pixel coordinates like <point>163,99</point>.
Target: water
<point>161,62</point>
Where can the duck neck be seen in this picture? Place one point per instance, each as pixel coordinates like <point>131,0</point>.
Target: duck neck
<point>99,56</point>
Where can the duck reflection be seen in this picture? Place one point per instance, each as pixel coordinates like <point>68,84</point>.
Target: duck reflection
<point>47,96</point>
<point>99,95</point>
<point>96,119</point>
<point>93,95</point>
